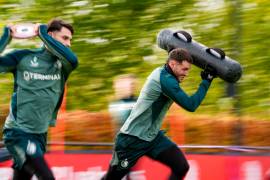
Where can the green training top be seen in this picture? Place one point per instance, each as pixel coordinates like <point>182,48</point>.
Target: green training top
<point>157,95</point>
<point>39,81</point>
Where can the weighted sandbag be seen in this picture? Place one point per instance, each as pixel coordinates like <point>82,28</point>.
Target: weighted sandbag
<point>203,57</point>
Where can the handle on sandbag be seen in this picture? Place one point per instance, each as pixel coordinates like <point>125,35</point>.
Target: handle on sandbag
<point>216,52</point>
<point>183,35</point>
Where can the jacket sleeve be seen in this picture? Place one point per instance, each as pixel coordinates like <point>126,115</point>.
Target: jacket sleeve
<point>170,87</point>
<point>7,62</point>
<point>65,55</point>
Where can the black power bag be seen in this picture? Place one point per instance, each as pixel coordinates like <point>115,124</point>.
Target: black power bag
<point>203,57</point>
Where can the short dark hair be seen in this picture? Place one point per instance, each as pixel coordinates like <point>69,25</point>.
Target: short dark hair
<point>180,55</point>
<point>57,24</point>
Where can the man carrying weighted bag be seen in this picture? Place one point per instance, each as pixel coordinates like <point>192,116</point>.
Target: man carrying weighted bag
<point>141,135</point>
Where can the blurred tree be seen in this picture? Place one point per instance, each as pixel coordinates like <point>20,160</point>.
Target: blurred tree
<point>119,36</point>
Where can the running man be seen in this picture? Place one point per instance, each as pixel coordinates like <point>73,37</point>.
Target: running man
<point>39,81</point>
<point>141,135</point>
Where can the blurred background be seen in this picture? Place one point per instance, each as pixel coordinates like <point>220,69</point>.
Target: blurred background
<point>116,37</point>
<point>115,40</point>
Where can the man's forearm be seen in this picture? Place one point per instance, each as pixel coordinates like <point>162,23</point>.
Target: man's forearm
<point>5,39</point>
<point>6,61</point>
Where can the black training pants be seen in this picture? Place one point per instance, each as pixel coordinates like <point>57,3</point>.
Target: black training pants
<point>171,157</point>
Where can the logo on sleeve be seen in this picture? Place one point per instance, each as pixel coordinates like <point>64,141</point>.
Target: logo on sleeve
<point>34,62</point>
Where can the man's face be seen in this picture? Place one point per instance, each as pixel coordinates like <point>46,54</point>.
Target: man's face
<point>124,87</point>
<point>181,70</point>
<point>64,36</point>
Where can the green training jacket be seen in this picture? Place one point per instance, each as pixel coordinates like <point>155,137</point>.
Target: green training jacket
<point>157,95</point>
<point>39,81</point>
